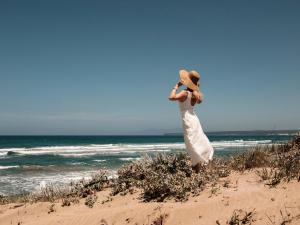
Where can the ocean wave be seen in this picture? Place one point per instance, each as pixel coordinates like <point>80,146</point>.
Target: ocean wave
<point>38,168</point>
<point>28,167</point>
<point>77,154</point>
<point>98,149</point>
<point>99,160</point>
<point>7,167</point>
<point>18,183</point>
<point>129,158</point>
<point>77,163</point>
<point>93,149</point>
<point>286,134</point>
<point>239,143</point>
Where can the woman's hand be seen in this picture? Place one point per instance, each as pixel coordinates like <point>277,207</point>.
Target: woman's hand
<point>178,85</point>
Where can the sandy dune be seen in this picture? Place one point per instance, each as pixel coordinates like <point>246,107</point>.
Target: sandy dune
<point>215,205</point>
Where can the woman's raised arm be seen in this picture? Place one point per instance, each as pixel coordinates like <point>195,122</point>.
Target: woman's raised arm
<point>173,96</point>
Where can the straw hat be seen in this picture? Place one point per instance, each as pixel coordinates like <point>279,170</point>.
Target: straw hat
<point>190,79</point>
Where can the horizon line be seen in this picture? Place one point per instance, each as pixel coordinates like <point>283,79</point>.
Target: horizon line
<point>161,134</point>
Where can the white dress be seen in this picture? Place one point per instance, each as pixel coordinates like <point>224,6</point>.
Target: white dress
<point>196,142</point>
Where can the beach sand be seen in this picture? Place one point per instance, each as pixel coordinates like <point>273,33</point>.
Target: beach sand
<point>215,205</point>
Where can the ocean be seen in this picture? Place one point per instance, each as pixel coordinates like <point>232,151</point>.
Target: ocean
<point>28,163</point>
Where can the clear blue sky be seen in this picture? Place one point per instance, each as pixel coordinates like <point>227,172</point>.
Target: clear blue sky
<point>107,67</point>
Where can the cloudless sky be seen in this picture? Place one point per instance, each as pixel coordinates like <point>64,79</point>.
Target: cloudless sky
<point>107,66</point>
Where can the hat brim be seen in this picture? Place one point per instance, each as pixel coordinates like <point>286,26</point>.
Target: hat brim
<point>184,75</point>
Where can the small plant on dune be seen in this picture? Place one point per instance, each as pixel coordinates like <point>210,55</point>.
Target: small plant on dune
<point>271,176</point>
<point>91,200</point>
<point>240,217</point>
<point>51,208</point>
<point>103,222</point>
<point>264,174</point>
<point>3,200</point>
<point>160,220</point>
<point>67,200</point>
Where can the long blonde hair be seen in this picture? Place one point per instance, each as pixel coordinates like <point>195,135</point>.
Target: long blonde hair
<point>199,96</point>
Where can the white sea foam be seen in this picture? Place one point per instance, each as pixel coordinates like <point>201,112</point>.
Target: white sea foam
<point>100,149</point>
<point>93,149</point>
<point>99,160</point>
<point>78,154</point>
<point>129,159</point>
<point>77,163</point>
<point>7,167</point>
<point>238,143</point>
<point>17,183</point>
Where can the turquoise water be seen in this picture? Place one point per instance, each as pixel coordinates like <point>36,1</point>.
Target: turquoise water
<point>30,162</point>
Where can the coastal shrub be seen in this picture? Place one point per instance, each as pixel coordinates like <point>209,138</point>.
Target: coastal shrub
<point>167,176</point>
<point>217,168</point>
<point>67,193</point>
<point>66,200</point>
<point>265,173</point>
<point>131,175</point>
<point>271,176</point>
<point>288,160</point>
<point>22,197</point>
<point>257,157</point>
<point>284,163</point>
<point>72,192</point>
<point>49,193</point>
<point>289,146</point>
<point>170,176</point>
<point>84,188</point>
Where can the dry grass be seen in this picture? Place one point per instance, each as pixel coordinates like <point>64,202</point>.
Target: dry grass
<point>257,157</point>
<point>67,194</point>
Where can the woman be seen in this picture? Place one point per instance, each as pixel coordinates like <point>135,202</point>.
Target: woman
<point>197,143</point>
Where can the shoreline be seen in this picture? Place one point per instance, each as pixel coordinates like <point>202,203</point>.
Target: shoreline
<point>34,166</point>
<point>259,186</point>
